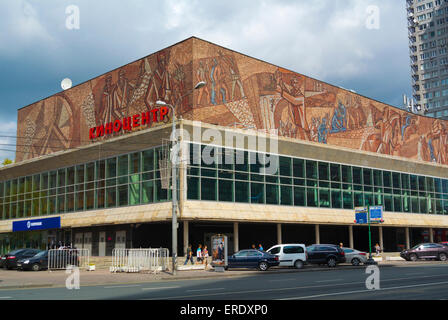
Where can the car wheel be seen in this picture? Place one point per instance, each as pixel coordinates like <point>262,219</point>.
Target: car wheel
<point>298,264</point>
<point>413,257</point>
<point>331,262</point>
<point>442,256</point>
<point>263,266</point>
<point>35,267</point>
<point>226,268</point>
<point>356,262</point>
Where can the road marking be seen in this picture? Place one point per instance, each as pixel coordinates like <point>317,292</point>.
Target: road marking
<point>206,289</point>
<point>289,279</point>
<point>329,280</point>
<point>129,286</point>
<point>365,290</point>
<point>413,274</point>
<point>157,288</point>
<point>5,297</point>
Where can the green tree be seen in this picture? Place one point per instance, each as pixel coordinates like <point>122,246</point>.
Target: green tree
<point>6,162</point>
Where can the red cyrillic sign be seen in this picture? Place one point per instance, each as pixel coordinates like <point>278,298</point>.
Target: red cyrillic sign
<point>137,120</point>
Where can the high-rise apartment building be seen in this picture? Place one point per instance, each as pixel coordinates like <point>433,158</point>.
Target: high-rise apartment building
<point>428,42</point>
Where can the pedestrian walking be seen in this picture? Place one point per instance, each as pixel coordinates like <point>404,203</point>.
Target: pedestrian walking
<point>205,256</point>
<point>199,254</point>
<point>189,255</point>
<point>260,247</point>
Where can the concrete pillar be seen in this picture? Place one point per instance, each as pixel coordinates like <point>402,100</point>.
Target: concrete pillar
<point>350,236</point>
<point>431,235</point>
<point>408,243</point>
<point>185,237</point>
<point>279,233</point>
<point>236,237</point>
<point>317,233</point>
<point>380,231</point>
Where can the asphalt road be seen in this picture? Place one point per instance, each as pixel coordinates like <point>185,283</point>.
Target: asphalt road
<point>425,282</point>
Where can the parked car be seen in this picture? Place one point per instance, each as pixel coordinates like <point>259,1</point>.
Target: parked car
<point>290,255</point>
<point>426,251</point>
<point>252,258</point>
<point>35,263</point>
<point>445,243</point>
<point>10,259</point>
<point>355,257</point>
<point>328,254</point>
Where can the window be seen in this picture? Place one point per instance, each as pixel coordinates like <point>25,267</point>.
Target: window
<point>292,249</point>
<point>275,250</point>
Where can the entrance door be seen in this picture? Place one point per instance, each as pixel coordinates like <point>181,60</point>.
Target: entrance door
<point>78,240</point>
<point>51,243</point>
<point>102,244</point>
<point>120,240</point>
<point>87,243</point>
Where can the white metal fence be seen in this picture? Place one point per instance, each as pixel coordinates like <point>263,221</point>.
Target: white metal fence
<point>62,258</point>
<point>137,260</point>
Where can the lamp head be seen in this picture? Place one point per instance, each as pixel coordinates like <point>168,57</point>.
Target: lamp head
<point>161,103</point>
<point>200,85</point>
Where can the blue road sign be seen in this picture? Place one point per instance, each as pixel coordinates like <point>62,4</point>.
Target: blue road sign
<point>376,214</point>
<point>361,215</point>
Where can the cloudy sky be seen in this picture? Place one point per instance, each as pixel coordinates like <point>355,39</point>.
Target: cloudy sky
<point>356,44</point>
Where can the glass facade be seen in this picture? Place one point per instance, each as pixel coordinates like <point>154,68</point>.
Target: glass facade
<point>125,180</point>
<point>237,176</point>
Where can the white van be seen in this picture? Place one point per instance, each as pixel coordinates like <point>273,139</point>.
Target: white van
<point>290,255</point>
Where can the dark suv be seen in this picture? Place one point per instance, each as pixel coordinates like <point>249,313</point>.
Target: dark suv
<point>426,251</point>
<point>328,254</point>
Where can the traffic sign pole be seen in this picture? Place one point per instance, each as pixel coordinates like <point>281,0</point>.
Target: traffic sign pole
<point>370,261</point>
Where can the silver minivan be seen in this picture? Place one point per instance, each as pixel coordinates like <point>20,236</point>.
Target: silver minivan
<point>290,255</point>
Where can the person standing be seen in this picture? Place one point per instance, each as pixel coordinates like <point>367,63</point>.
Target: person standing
<point>377,249</point>
<point>205,256</point>
<point>189,255</point>
<point>199,254</point>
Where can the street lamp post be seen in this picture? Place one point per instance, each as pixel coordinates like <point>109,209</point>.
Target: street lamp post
<point>174,172</point>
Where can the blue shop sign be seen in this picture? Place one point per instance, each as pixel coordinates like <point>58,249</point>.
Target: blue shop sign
<point>36,224</point>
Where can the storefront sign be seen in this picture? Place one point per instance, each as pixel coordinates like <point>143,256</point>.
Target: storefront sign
<point>36,224</point>
<point>126,124</point>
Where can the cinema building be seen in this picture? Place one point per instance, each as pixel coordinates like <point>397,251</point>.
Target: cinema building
<point>89,166</point>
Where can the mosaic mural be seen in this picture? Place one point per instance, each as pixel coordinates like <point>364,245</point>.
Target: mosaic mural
<point>240,91</point>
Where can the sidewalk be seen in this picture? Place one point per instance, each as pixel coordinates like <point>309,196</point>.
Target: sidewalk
<point>12,279</point>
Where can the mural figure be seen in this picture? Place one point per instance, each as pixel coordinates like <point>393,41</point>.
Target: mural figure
<point>152,92</point>
<point>338,122</point>
<point>107,112</point>
<point>201,75</point>
<point>323,131</point>
<point>219,88</point>
<point>234,76</point>
<point>163,78</point>
<point>437,141</point>
<point>356,117</point>
<point>314,130</point>
<point>122,94</point>
<point>291,109</point>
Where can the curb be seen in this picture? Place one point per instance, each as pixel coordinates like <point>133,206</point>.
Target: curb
<point>24,286</point>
